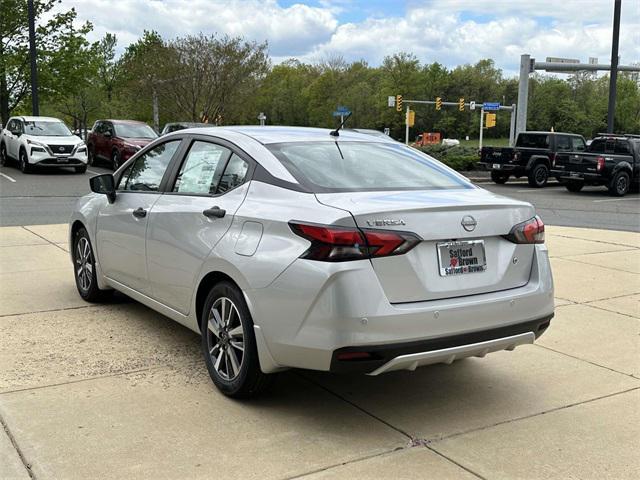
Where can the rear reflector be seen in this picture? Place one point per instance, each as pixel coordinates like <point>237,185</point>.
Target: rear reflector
<point>531,231</point>
<point>353,356</point>
<point>339,244</point>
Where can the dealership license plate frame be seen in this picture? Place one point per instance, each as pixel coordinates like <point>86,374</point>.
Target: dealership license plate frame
<point>478,252</point>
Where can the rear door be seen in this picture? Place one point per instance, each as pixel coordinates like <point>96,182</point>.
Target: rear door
<point>204,192</point>
<point>122,225</point>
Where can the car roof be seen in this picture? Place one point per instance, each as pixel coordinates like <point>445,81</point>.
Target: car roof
<point>281,134</point>
<point>540,132</point>
<point>138,122</point>
<point>26,118</point>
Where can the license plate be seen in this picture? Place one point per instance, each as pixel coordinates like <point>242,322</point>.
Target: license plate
<point>63,160</point>
<point>460,258</point>
<point>496,166</point>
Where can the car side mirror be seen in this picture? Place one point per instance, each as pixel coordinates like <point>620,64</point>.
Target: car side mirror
<point>108,134</point>
<point>104,184</point>
<point>17,133</point>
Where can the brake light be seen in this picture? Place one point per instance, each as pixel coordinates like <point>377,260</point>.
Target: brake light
<point>600,165</point>
<point>339,244</point>
<point>531,231</point>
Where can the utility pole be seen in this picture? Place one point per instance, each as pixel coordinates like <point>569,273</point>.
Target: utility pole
<point>35,108</point>
<point>613,76</point>
<point>523,93</point>
<point>481,128</point>
<point>156,110</point>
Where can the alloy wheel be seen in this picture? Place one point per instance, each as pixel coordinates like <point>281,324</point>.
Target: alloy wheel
<point>84,263</point>
<point>225,338</point>
<point>541,175</point>
<point>621,185</point>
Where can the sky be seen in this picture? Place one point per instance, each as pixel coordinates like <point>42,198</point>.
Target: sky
<point>451,32</point>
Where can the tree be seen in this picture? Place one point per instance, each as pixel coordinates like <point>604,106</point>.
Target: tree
<point>57,41</point>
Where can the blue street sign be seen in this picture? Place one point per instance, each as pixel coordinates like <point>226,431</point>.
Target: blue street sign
<point>491,105</point>
<point>339,113</point>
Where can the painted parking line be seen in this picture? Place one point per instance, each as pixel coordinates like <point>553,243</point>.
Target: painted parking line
<point>616,200</point>
<point>7,177</point>
<point>94,172</point>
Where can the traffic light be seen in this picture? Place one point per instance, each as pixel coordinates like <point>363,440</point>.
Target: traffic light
<point>398,103</point>
<point>438,103</point>
<point>461,104</point>
<point>411,119</point>
<point>491,120</point>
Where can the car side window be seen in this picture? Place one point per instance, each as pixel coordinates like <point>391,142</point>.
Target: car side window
<point>577,144</point>
<point>201,170</point>
<point>107,127</point>
<point>234,174</point>
<point>563,144</point>
<point>622,148</point>
<point>146,172</point>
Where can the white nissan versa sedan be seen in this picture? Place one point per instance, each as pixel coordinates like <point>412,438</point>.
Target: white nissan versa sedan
<point>299,247</point>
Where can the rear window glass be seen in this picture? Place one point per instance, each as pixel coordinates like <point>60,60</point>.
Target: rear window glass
<point>362,166</point>
<point>532,140</point>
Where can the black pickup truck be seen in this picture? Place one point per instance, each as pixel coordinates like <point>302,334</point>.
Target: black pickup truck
<point>610,160</point>
<point>531,157</point>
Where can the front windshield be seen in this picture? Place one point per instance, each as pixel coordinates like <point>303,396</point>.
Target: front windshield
<point>47,129</point>
<point>134,130</point>
<point>362,166</point>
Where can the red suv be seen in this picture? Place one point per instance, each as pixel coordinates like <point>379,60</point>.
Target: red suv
<point>115,141</point>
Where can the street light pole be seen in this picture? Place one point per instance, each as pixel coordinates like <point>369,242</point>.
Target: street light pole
<point>613,76</point>
<point>32,53</point>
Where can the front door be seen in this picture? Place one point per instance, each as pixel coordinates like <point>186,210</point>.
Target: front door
<point>189,220</point>
<point>122,225</point>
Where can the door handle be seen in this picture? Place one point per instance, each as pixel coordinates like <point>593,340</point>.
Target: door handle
<point>139,212</point>
<point>215,212</point>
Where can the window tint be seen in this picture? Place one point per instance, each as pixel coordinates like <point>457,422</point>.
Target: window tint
<point>563,144</point>
<point>360,166</point>
<point>622,147</point>
<point>234,175</point>
<point>532,140</point>
<point>577,144</point>
<point>146,173</point>
<point>597,146</point>
<point>202,169</point>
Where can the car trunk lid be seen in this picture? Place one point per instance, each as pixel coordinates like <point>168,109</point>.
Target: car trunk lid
<point>437,217</point>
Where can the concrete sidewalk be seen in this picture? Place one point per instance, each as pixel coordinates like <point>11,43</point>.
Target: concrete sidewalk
<point>118,391</point>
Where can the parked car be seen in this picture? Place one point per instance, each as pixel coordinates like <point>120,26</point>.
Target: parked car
<point>531,157</point>
<point>175,126</point>
<point>41,142</point>
<point>115,141</point>
<point>610,160</point>
<point>291,247</point>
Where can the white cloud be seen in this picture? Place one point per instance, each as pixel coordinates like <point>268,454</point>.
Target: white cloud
<point>448,31</point>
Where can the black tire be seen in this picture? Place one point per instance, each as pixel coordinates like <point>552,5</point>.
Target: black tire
<point>91,155</point>
<point>115,160</point>
<point>23,162</point>
<point>499,178</point>
<point>245,379</point>
<point>82,169</point>
<point>574,186</point>
<point>86,280</point>
<point>619,185</point>
<point>538,175</point>
<point>4,160</point>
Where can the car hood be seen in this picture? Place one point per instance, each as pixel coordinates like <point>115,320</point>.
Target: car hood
<point>54,140</point>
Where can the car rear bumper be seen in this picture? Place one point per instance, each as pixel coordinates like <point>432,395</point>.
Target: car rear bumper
<point>315,310</point>
<point>502,167</point>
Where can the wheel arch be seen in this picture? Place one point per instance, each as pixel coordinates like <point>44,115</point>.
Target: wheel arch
<point>537,159</point>
<point>623,166</point>
<point>206,284</point>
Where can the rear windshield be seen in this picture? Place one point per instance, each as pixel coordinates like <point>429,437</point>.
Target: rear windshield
<point>363,166</point>
<point>532,140</point>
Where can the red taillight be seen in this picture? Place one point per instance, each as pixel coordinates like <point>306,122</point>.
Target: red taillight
<point>531,231</point>
<point>338,244</point>
<point>600,165</point>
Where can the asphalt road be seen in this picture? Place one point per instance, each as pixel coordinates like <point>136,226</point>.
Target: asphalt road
<point>48,197</point>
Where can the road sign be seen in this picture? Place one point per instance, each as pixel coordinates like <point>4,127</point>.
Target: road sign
<point>489,106</point>
<point>491,120</point>
<point>391,101</point>
<point>472,105</point>
<point>387,131</point>
<point>438,103</point>
<point>341,111</point>
<point>461,104</point>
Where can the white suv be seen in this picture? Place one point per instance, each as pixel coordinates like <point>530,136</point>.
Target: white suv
<point>41,141</point>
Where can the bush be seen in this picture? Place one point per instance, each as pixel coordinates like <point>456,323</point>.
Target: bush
<point>458,157</point>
